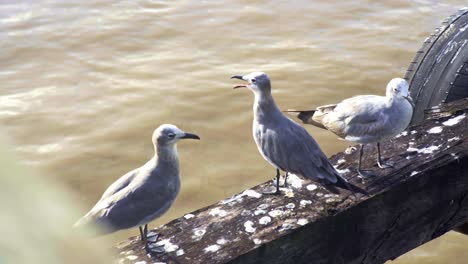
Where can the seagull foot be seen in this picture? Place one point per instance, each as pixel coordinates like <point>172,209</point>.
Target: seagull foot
<point>385,165</point>
<point>272,191</point>
<point>153,249</point>
<point>365,174</point>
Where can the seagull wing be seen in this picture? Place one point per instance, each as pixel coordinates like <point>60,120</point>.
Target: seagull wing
<point>289,147</point>
<point>360,116</point>
<point>119,184</point>
<point>127,206</point>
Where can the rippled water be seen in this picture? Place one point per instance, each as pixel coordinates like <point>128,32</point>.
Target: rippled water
<point>84,84</point>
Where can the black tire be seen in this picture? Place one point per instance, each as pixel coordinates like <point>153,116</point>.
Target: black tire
<point>439,71</point>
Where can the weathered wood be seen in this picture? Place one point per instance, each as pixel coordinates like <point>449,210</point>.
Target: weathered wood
<point>424,196</point>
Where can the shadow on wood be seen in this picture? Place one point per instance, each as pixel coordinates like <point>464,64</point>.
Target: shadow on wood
<point>424,196</point>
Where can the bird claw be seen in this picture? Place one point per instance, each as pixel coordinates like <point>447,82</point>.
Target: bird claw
<point>365,174</point>
<point>386,165</point>
<point>272,191</point>
<point>154,249</point>
<point>283,181</point>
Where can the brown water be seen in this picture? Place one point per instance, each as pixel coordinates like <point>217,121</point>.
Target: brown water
<point>83,85</point>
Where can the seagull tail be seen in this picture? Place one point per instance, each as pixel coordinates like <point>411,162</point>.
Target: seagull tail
<point>344,184</point>
<point>306,116</point>
<point>91,226</point>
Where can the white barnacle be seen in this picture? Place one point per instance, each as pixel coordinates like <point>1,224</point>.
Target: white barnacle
<point>289,193</point>
<point>302,221</point>
<point>252,193</point>
<point>428,150</point>
<point>340,161</point>
<point>238,197</point>
<point>168,246</point>
<point>304,203</point>
<point>246,213</point>
<point>350,150</point>
<point>180,252</point>
<point>221,241</point>
<point>342,171</point>
<point>217,212</point>
<point>212,248</point>
<point>257,241</point>
<point>454,120</point>
<point>295,181</point>
<point>189,216</point>
<point>311,187</point>
<point>402,134</point>
<point>234,199</point>
<point>132,257</point>
<point>249,228</point>
<point>435,130</point>
<point>198,233</point>
<point>290,206</point>
<point>259,212</point>
<point>286,226</point>
<point>411,149</point>
<point>264,220</point>
<point>275,213</point>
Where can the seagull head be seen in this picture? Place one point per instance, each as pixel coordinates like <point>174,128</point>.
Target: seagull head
<point>258,82</point>
<point>168,134</point>
<point>399,87</point>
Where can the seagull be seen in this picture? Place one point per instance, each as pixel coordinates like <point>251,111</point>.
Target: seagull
<point>366,118</point>
<point>143,194</point>
<point>285,144</point>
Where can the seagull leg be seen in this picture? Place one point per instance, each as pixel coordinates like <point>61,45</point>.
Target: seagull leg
<point>286,180</point>
<point>277,184</point>
<point>142,235</point>
<point>145,231</point>
<point>381,164</point>
<point>363,173</point>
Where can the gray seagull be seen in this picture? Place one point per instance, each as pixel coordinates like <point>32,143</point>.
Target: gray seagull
<point>142,194</point>
<point>366,118</point>
<point>285,144</point>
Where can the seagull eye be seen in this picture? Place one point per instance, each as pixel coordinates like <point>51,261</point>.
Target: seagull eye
<point>171,135</point>
<point>253,80</point>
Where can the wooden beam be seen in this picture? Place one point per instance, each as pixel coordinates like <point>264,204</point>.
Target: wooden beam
<point>421,198</point>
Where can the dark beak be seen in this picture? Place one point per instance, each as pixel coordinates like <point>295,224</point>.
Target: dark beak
<point>189,135</point>
<point>240,78</point>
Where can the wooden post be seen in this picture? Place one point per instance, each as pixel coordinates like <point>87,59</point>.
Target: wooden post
<point>421,198</point>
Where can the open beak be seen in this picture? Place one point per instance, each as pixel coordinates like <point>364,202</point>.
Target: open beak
<point>410,100</point>
<point>190,135</point>
<point>240,85</point>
